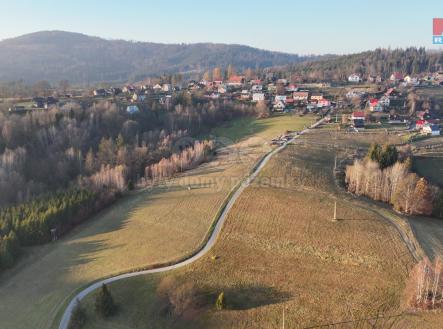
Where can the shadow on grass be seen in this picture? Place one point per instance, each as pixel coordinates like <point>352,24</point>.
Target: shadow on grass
<point>253,296</point>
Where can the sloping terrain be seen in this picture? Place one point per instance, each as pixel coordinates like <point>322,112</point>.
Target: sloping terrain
<point>57,55</point>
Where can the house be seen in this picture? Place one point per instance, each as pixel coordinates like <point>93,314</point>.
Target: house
<point>166,87</point>
<point>157,88</point>
<point>374,105</point>
<point>131,109</point>
<point>137,97</point>
<point>316,97</point>
<point>128,89</point>
<point>323,103</point>
<point>396,77</point>
<point>291,88</point>
<point>280,98</point>
<point>236,80</point>
<point>411,81</point>
<point>279,106</point>
<point>301,95</point>
<point>432,130</point>
<point>99,92</point>
<point>39,102</point>
<point>255,88</point>
<point>282,81</point>
<point>358,115</point>
<point>245,94</point>
<point>419,124</point>
<point>384,101</point>
<point>18,109</point>
<point>354,78</point>
<point>257,97</point>
<point>217,82</point>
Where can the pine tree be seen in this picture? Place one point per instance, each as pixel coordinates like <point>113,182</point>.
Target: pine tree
<point>78,317</point>
<point>104,303</point>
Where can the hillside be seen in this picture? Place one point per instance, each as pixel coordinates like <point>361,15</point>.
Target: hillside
<point>57,55</point>
<point>382,62</point>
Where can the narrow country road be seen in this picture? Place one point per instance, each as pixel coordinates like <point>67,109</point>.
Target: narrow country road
<point>209,244</point>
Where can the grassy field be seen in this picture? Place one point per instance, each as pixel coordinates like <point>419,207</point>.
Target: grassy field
<point>147,227</point>
<point>280,250</point>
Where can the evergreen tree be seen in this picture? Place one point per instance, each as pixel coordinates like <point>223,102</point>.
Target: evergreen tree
<point>78,317</point>
<point>104,303</point>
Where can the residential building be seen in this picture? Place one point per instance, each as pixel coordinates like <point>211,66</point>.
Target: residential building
<point>257,97</point>
<point>301,95</point>
<point>354,78</point>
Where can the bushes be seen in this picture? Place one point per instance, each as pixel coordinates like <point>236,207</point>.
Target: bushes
<point>104,303</point>
<point>177,298</point>
<point>220,302</point>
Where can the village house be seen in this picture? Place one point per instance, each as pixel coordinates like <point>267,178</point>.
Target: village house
<point>358,119</point>
<point>374,105</point>
<point>316,97</point>
<point>257,97</point>
<point>245,95</point>
<point>354,78</point>
<point>256,88</point>
<point>430,129</point>
<point>157,88</point>
<point>128,89</point>
<point>280,98</point>
<point>236,80</point>
<point>301,95</point>
<point>396,77</point>
<point>419,124</point>
<point>291,88</point>
<point>166,87</point>
<point>323,103</point>
<point>99,92</point>
<point>384,101</point>
<point>279,106</point>
<point>138,97</point>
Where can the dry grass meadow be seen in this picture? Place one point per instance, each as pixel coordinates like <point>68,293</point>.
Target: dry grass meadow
<point>147,227</point>
<point>279,250</point>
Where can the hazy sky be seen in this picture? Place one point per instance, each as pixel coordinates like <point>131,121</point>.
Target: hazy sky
<point>320,26</point>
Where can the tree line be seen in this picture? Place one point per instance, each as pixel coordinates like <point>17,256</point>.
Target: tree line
<point>30,223</point>
<point>384,175</point>
<point>380,62</point>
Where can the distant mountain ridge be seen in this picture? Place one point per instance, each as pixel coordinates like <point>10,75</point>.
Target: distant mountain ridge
<point>57,55</point>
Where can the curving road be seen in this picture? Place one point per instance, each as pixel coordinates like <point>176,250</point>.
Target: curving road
<point>209,244</point>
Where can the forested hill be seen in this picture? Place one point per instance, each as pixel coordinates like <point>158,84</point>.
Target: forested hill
<point>380,62</point>
<point>58,55</point>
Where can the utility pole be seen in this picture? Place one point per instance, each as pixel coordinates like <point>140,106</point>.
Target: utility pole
<point>283,318</point>
<point>335,163</point>
<point>335,211</point>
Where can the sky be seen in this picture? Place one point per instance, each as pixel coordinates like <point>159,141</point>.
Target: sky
<point>303,27</point>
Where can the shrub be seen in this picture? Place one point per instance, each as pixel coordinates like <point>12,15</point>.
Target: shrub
<point>220,302</point>
<point>104,303</point>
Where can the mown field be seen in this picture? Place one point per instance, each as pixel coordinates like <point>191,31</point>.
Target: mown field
<point>280,250</point>
<point>147,227</point>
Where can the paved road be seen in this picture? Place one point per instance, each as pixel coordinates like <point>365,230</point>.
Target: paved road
<point>210,243</point>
